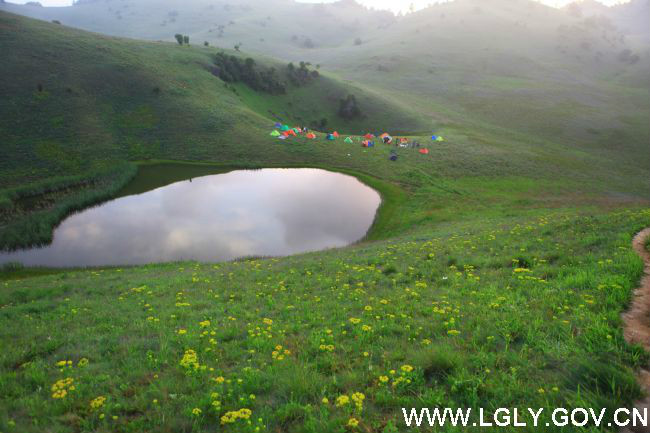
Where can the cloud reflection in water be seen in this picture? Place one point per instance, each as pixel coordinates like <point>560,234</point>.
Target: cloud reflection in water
<point>214,218</point>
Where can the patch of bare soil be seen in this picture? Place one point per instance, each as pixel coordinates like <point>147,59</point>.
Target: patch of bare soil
<point>637,323</point>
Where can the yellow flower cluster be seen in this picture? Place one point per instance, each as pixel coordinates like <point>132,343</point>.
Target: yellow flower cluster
<point>219,379</point>
<point>267,321</point>
<point>353,422</point>
<point>190,360</point>
<point>98,402</point>
<point>366,328</point>
<point>61,387</point>
<point>342,400</point>
<point>196,411</point>
<point>232,416</point>
<point>204,324</point>
<point>326,347</point>
<point>278,354</point>
<point>354,320</point>
<point>82,362</point>
<point>358,399</point>
<point>64,363</point>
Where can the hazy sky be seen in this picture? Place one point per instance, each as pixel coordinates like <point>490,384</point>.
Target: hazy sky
<point>394,5</point>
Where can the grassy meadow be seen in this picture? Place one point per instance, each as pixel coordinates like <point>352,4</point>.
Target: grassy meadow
<point>494,276</point>
<point>483,313</point>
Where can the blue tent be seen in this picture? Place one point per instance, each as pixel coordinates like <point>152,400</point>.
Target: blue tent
<point>331,137</point>
<point>278,125</point>
<point>434,137</point>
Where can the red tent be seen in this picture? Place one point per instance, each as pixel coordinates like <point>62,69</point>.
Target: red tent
<point>286,133</point>
<point>311,135</point>
<point>424,151</point>
<point>368,136</point>
<point>292,132</point>
<point>335,134</point>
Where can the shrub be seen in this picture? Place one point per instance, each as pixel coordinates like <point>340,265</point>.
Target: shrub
<point>349,108</point>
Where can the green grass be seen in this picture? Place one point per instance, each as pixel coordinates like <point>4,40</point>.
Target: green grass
<point>489,313</point>
<point>497,268</point>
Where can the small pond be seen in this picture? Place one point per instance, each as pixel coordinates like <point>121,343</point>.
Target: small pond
<point>209,218</point>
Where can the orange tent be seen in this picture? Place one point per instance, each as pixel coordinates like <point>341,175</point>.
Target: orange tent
<point>335,134</point>
<point>424,151</point>
<point>311,135</point>
<point>369,136</point>
<point>384,135</point>
<point>291,132</point>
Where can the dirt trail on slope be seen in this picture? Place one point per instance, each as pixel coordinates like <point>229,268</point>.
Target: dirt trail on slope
<point>637,323</point>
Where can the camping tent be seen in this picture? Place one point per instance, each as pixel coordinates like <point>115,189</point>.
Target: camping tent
<point>424,151</point>
<point>403,140</point>
<point>275,133</point>
<point>297,130</point>
<point>440,138</point>
<point>368,143</point>
<point>335,134</point>
<point>387,139</point>
<point>284,128</point>
<point>349,140</point>
<point>311,135</point>
<point>282,137</point>
<point>291,132</point>
<point>278,125</point>
<point>368,136</point>
<point>331,137</point>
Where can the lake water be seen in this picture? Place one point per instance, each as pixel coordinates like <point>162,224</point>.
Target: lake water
<point>268,212</point>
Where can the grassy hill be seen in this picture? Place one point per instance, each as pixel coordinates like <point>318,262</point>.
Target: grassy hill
<point>549,74</point>
<point>496,276</point>
<point>122,99</point>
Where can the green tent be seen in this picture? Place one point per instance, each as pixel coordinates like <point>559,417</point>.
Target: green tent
<point>285,128</point>
<point>275,134</point>
<point>440,138</point>
<point>349,140</point>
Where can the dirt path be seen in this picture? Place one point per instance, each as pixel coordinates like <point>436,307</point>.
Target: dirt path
<point>637,322</point>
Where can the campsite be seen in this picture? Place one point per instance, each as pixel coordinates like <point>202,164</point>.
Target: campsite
<point>281,216</point>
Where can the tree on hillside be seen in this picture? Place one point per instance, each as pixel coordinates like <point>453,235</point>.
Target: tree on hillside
<point>186,40</point>
<point>179,38</point>
<point>349,108</point>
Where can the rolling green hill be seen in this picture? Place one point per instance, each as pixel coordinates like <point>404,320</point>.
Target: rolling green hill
<point>498,67</point>
<point>96,102</point>
<point>96,99</point>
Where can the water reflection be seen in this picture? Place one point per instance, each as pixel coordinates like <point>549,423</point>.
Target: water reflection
<point>214,218</point>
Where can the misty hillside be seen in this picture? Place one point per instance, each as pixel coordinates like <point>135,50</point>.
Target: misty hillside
<point>555,73</point>
<point>630,18</point>
<point>95,99</point>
